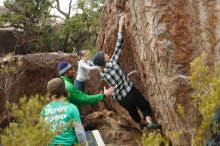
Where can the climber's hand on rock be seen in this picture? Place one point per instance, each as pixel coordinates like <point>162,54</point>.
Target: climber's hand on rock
<point>121,20</point>
<point>121,23</point>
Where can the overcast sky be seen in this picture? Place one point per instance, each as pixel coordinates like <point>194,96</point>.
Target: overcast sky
<point>64,4</point>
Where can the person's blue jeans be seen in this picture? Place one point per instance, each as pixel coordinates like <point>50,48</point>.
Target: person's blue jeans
<point>80,85</point>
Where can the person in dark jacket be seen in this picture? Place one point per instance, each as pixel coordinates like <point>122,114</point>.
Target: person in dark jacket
<point>125,92</point>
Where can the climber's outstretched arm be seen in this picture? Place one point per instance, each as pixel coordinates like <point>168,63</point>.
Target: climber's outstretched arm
<point>116,55</point>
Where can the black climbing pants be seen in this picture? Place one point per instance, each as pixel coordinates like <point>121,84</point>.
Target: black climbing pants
<point>133,101</point>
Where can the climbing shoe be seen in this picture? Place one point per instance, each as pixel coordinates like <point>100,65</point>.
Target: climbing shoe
<point>154,126</point>
<point>142,126</point>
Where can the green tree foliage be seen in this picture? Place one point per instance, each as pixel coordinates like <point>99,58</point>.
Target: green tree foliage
<point>180,110</point>
<point>27,129</point>
<point>206,82</point>
<point>82,28</point>
<point>36,31</point>
<point>154,139</point>
<point>30,19</point>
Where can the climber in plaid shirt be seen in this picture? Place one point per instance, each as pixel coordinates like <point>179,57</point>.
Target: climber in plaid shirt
<point>125,92</point>
<point>114,75</point>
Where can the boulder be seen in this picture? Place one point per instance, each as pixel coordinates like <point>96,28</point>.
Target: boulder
<point>114,129</point>
<point>32,76</point>
<point>161,39</point>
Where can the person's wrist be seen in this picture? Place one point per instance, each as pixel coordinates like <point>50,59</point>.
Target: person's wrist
<point>121,26</point>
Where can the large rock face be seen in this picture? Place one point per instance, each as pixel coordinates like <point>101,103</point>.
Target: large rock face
<point>115,130</point>
<point>37,70</point>
<point>8,41</point>
<point>32,76</point>
<point>34,73</point>
<point>161,38</point>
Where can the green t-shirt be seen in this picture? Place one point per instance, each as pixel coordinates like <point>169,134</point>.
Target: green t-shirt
<point>60,115</point>
<point>78,97</point>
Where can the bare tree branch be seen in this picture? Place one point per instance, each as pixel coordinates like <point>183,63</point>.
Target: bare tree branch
<point>69,9</point>
<point>59,9</point>
<point>13,81</point>
<point>12,26</point>
<point>56,16</point>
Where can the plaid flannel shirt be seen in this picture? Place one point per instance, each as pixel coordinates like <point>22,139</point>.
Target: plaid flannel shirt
<point>114,75</point>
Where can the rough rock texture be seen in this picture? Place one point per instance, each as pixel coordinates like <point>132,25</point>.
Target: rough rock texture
<point>161,38</point>
<point>7,37</point>
<point>7,43</point>
<point>36,70</point>
<point>115,130</point>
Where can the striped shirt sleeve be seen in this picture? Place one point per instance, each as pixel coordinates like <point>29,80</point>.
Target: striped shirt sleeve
<point>116,55</point>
